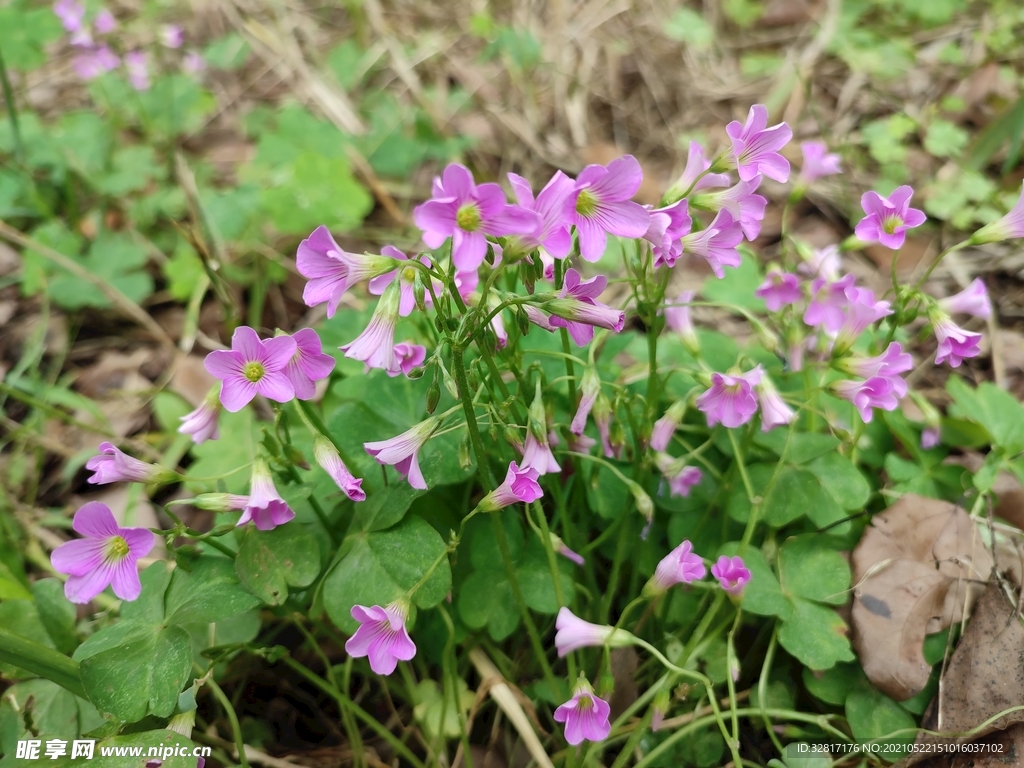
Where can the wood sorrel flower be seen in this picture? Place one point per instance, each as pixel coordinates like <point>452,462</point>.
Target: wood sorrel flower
<point>520,486</point>
<point>955,343</point>
<point>137,65</point>
<point>1006,228</point>
<point>553,206</point>
<point>559,546</point>
<point>774,411</point>
<point>467,213</point>
<point>536,451</point>
<point>602,205</point>
<point>677,318</point>
<point>930,437</point>
<point>115,466</point>
<point>70,13</point>
<point>264,506</point>
<point>573,633</point>
<point>331,271</point>
<point>717,244</point>
<point>680,566</point>
<point>665,427</point>
<point>730,400</point>
<point>860,311</point>
<point>887,219</point>
<point>252,367</point>
<point>889,364</point>
<point>818,162</point>
<point>105,22</point>
<point>107,555</point>
<point>820,262</point>
<point>680,477</point>
<point>578,310</point>
<point>691,179</point>
<point>875,392</point>
<point>972,300</point>
<point>407,357</point>
<point>828,299</point>
<point>201,423</point>
<point>741,201</point>
<point>779,289</point>
<point>585,715</point>
<point>382,636</point>
<point>327,457</point>
<point>402,451</point>
<point>406,275</point>
<point>308,365</point>
<point>667,227</point>
<point>731,573</point>
<point>603,419</point>
<point>375,346</point>
<point>590,388</point>
<point>95,62</point>
<point>755,147</point>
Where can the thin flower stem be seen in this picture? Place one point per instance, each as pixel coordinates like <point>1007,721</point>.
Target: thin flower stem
<point>762,687</point>
<point>959,246</point>
<point>755,501</point>
<point>556,574</point>
<point>732,663</point>
<point>236,729</point>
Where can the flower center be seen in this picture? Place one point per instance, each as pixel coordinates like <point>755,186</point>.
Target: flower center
<point>254,371</point>
<point>117,549</point>
<point>891,223</point>
<point>408,274</point>
<point>586,203</point>
<point>468,218</point>
<point>585,704</point>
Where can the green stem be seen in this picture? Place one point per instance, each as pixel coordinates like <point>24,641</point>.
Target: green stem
<point>755,501</point>
<point>12,111</point>
<point>229,710</point>
<point>556,575</point>
<point>47,663</point>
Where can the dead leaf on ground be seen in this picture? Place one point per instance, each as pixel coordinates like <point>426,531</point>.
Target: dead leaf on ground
<point>985,676</point>
<point>191,380</point>
<point>623,662</point>
<point>914,250</point>
<point>913,569</point>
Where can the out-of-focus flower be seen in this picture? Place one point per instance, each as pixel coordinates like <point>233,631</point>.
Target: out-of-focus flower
<point>755,147</point>
<point>887,219</point>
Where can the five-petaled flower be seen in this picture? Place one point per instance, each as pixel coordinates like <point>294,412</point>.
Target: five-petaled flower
<point>308,365</point>
<point>382,636</point>
<point>252,367</point>
<point>108,554</point>
<point>731,573</point>
<point>730,399</point>
<point>520,486</point>
<point>331,271</point>
<point>402,451</point>
<point>585,715</point>
<point>887,219</point>
<point>755,146</point>
<point>602,205</point>
<point>680,566</point>
<point>818,162</point>
<point>577,309</point>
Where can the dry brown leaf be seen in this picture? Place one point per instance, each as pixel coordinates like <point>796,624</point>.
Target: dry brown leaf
<point>985,676</point>
<point>913,569</point>
<point>191,380</point>
<point>623,662</point>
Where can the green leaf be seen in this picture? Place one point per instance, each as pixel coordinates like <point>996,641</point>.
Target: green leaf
<point>175,105</point>
<point>815,635</point>
<point>485,599</point>
<point>86,140</point>
<point>802,446</point>
<point>762,594</point>
<point>209,593</point>
<point>834,684</point>
<point>344,61</point>
<point>688,26</point>
<point>381,566</point>
<point>116,258</point>
<point>439,712</point>
<point>130,669</point>
<point>871,715</point>
<point>316,190</point>
<point>133,168</point>
<point>24,32</point>
<point>944,139</point>
<point>268,562</point>
<point>56,613</point>
<point>795,493</point>
<point>808,568</point>
<point>11,587</point>
<point>994,409</point>
<point>842,480</point>
<point>607,494</point>
<point>20,617</point>
<point>227,458</point>
<point>159,739</point>
<point>55,234</point>
<point>536,583</point>
<point>738,285</point>
<point>386,507</point>
<point>51,710</point>
<point>228,53</point>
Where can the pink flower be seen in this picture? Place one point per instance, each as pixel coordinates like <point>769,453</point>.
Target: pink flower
<point>578,310</point>
<point>574,633</point>
<point>680,566</point>
<point>136,63</point>
<point>585,715</point>
<point>172,36</point>
<point>308,365</point>
<point>375,346</point>
<point>1008,227</point>
<point>677,318</point>
<point>82,38</point>
<point>105,22</point>
<point>691,180</point>
<point>680,477</point>
<point>201,423</point>
<point>559,546</point>
<point>327,457</point>
<point>406,276</point>
<point>778,289</point>
<point>930,437</point>
<point>407,357</point>
<point>755,147</point>
<point>730,400</point>
<point>590,388</point>
<point>828,300</point>
<point>665,427</point>
<point>972,300</point>
<point>731,573</point>
<point>818,162</point>
<point>876,392</point>
<point>603,419</point>
<point>955,343</point>
<point>264,506</point>
<point>402,451</point>
<point>667,227</point>
<point>107,555</point>
<point>382,636</point>
<point>94,63</point>
<point>537,317</point>
<point>717,244</point>
<point>602,205</point>
<point>520,486</point>
<point>467,213</point>
<point>193,63</point>
<point>861,311</point>
<point>331,271</point>
<point>887,219</point>
<point>252,367</point>
<point>774,411</point>
<point>822,262</point>
<point>537,452</point>
<point>553,206</point>
<point>890,364</point>
<point>70,14</point>
<point>741,201</point>
<point>115,466</point>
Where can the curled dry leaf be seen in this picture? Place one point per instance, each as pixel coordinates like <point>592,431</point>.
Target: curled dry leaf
<point>914,568</point>
<point>985,677</point>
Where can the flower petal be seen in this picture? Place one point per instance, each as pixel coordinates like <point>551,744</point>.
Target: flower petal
<point>247,342</point>
<point>96,521</point>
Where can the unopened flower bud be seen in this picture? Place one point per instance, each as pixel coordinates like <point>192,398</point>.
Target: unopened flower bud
<point>433,394</point>
<point>419,292</point>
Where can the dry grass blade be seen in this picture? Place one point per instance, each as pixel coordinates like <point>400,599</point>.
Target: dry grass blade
<point>504,698</point>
